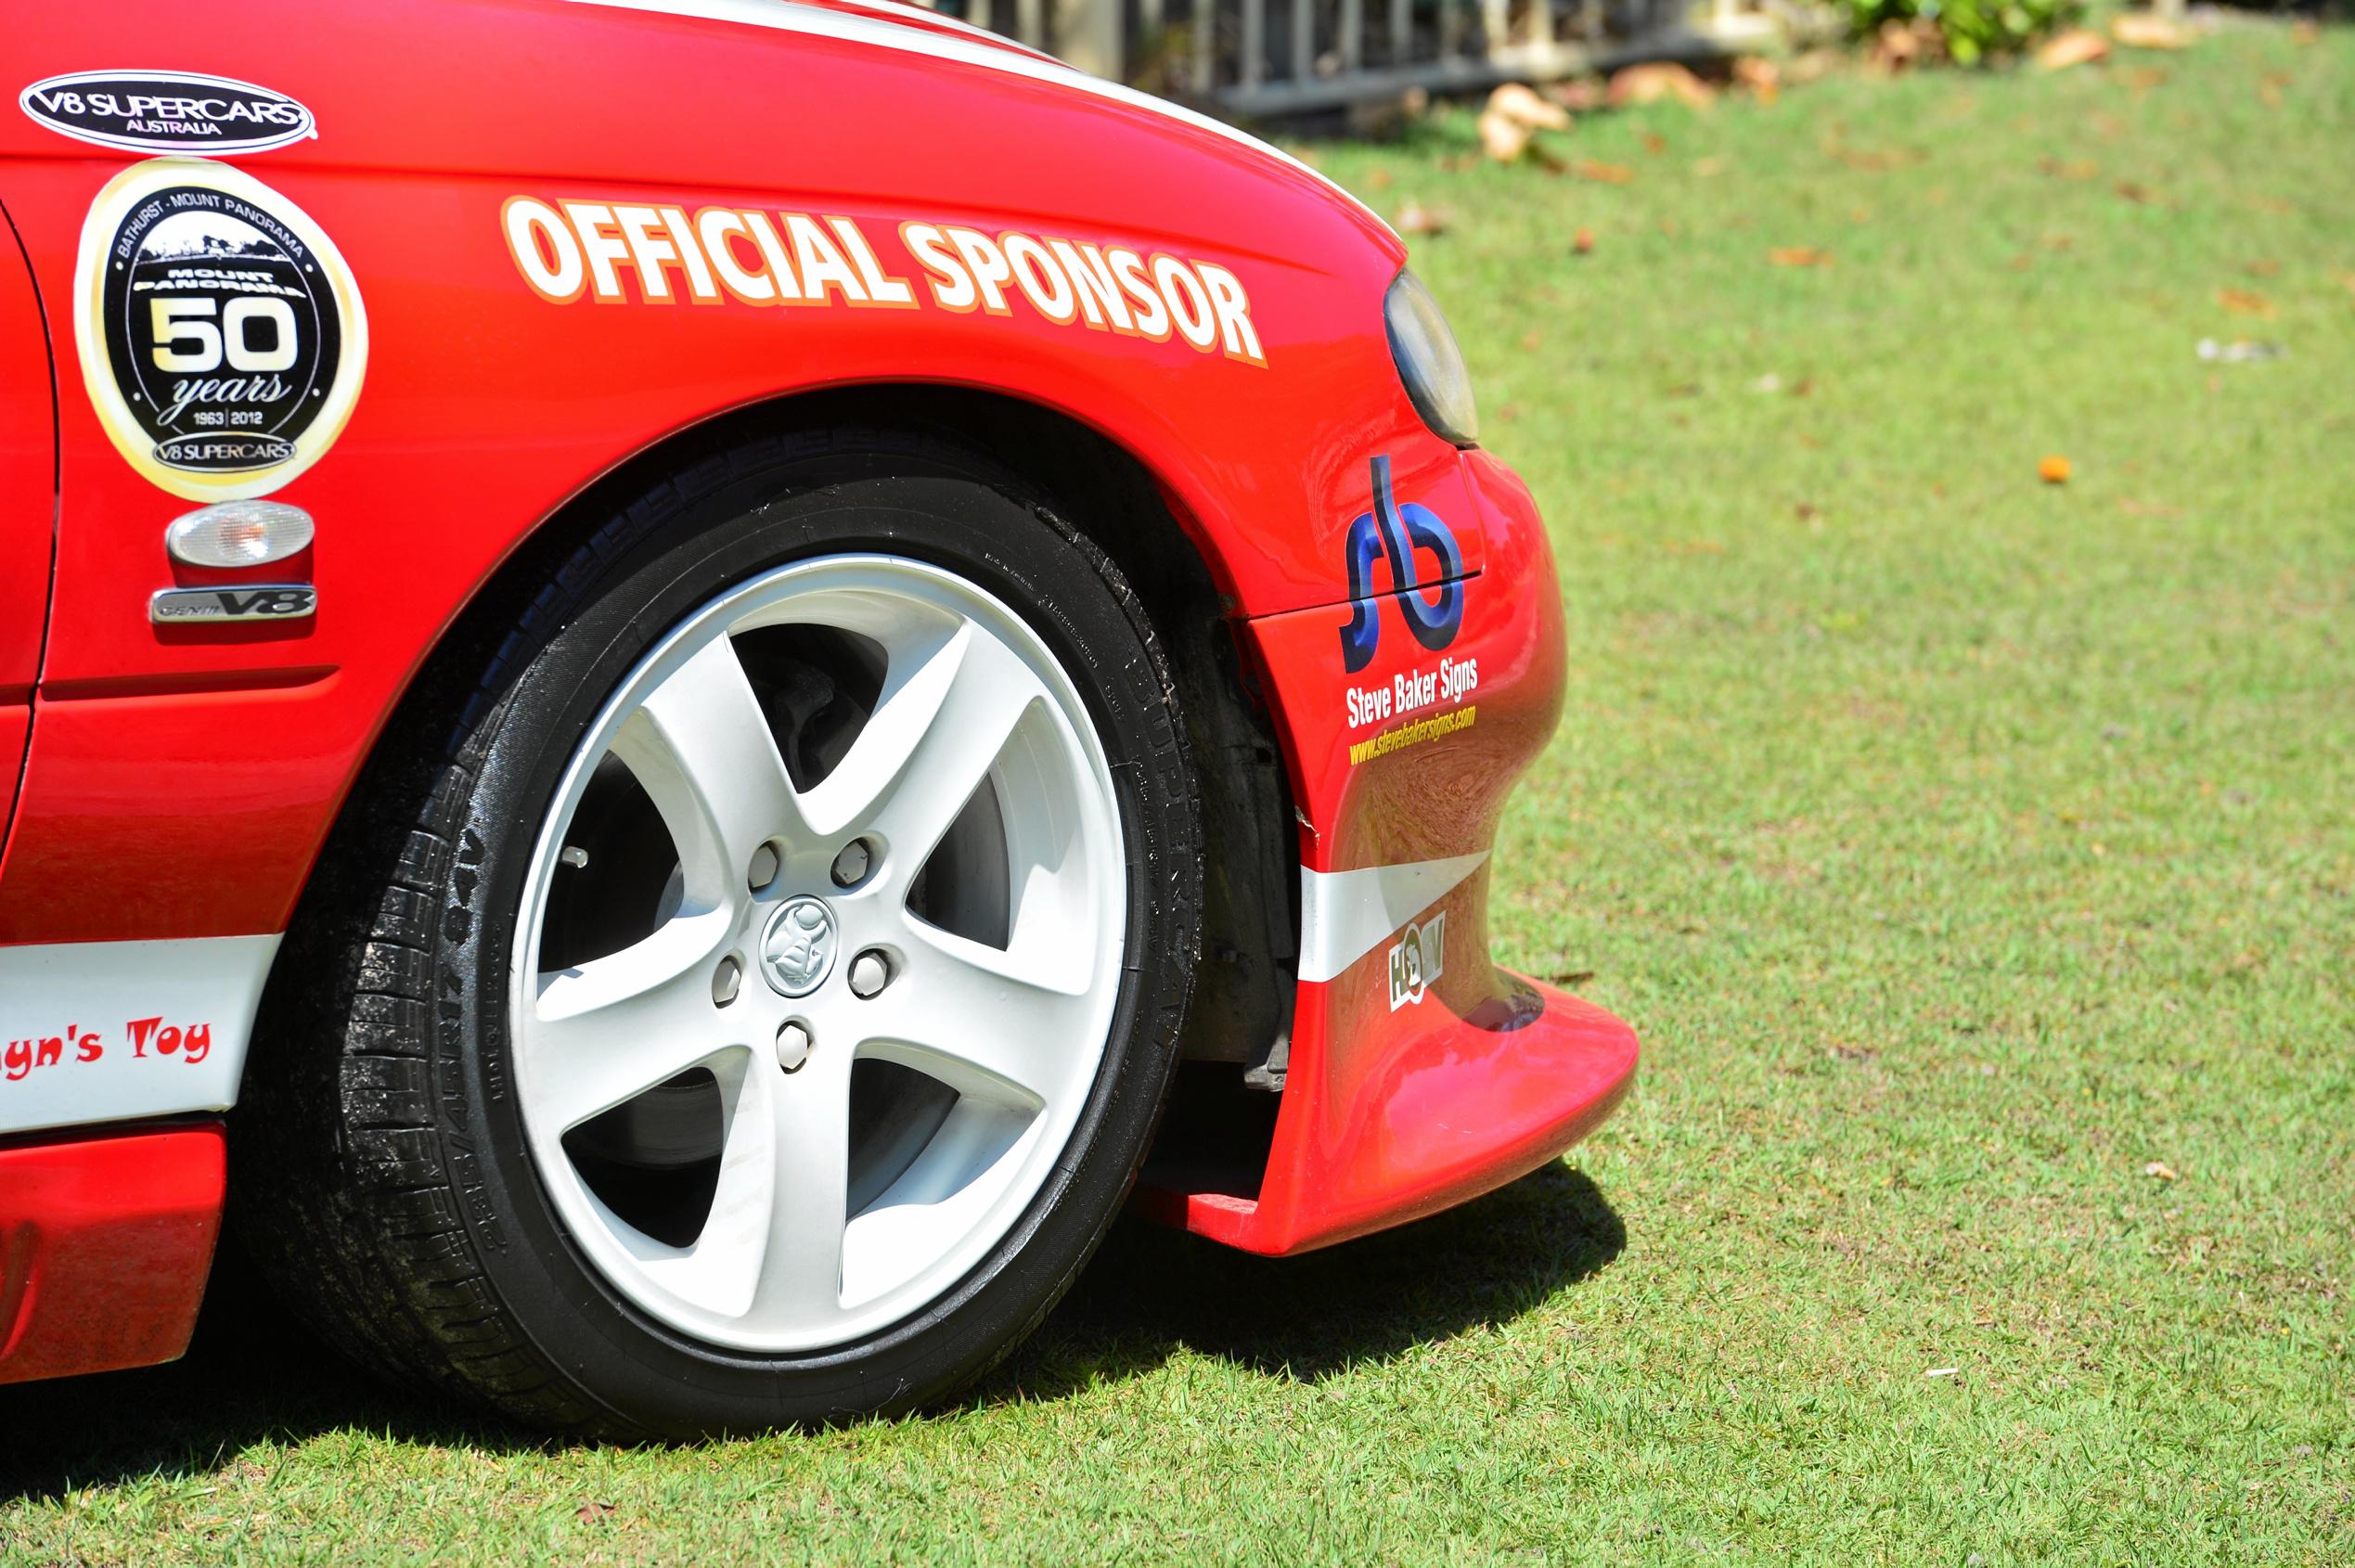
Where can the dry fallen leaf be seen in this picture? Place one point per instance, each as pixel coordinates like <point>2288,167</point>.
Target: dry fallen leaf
<point>2264,267</point>
<point>2133,192</point>
<point>1761,75</point>
<point>2143,30</point>
<point>1655,145</point>
<point>2079,45</point>
<point>1502,137</point>
<point>1664,79</point>
<point>1378,180</point>
<point>2242,302</point>
<point>2054,470</point>
<point>1580,94</point>
<point>2160,1169</point>
<point>590,1513</point>
<point>1582,242</point>
<point>1799,256</point>
<point>2075,168</point>
<point>1415,218</point>
<point>1608,173</point>
<point>1899,44</point>
<point>2304,33</point>
<point>1524,107</point>
<point>2143,78</point>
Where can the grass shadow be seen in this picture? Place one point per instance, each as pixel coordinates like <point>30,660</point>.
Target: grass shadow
<point>1152,1290</point>
<point>253,1374</point>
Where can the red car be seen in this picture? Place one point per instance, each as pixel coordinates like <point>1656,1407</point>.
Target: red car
<point>681,683</point>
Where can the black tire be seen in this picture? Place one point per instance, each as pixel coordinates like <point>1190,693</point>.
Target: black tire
<point>383,1179</point>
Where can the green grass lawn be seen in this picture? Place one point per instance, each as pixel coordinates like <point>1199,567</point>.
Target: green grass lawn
<point>1975,856</point>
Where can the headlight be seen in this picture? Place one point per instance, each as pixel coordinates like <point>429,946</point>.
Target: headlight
<point>1429,362</point>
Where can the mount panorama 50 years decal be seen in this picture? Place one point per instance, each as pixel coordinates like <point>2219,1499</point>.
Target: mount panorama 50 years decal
<point>222,336</point>
<point>167,111</point>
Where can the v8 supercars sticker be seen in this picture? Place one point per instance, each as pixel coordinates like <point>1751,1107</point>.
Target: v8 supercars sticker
<point>222,336</point>
<point>167,111</point>
<point>619,252</point>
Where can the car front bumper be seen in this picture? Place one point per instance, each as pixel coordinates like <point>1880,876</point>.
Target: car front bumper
<point>1418,1074</point>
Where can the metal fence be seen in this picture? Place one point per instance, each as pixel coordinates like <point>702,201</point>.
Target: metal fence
<point>1288,56</point>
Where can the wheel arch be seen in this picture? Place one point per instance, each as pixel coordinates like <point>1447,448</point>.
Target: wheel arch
<point>1244,994</point>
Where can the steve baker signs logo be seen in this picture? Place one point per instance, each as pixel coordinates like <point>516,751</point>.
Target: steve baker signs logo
<point>222,338</point>
<point>167,111</point>
<point>1397,533</point>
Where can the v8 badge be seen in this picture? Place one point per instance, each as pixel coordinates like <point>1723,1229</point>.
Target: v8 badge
<point>222,336</point>
<point>263,602</point>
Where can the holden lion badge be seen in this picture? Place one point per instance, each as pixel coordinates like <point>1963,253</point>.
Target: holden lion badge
<point>221,335</point>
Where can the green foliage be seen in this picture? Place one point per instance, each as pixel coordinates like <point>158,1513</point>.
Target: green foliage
<point>1972,30</point>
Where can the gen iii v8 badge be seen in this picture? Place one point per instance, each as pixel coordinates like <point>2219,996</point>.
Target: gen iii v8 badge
<point>262,601</point>
<point>222,336</point>
<point>167,111</point>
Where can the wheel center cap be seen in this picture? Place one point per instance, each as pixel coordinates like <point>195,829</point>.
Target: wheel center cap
<point>798,946</point>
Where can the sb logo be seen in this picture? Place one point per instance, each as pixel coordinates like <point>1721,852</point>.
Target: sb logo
<point>1398,532</point>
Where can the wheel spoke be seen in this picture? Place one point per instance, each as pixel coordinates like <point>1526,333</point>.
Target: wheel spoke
<point>927,745</point>
<point>1002,1026</point>
<point>611,1029</point>
<point>795,1179</point>
<point>701,748</point>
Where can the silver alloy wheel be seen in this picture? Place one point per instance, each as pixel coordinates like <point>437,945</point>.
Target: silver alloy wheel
<point>969,1058</point>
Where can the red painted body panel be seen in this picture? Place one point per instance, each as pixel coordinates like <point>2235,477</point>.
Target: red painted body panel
<point>485,406</point>
<point>28,506</point>
<point>179,782</point>
<point>105,1244</point>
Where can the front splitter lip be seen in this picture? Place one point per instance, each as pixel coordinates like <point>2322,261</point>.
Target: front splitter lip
<point>1436,1115</point>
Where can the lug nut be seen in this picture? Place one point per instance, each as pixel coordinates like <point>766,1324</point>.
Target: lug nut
<point>793,1045</point>
<point>850,866</point>
<point>763,869</point>
<point>726,979</point>
<point>871,971</point>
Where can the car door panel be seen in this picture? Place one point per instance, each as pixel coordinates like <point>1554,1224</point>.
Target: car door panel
<point>28,505</point>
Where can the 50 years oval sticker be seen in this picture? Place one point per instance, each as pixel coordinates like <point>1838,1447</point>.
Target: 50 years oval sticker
<point>222,338</point>
<point>167,111</point>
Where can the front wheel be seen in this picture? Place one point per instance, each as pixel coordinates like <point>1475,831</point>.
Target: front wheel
<point>770,1004</point>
